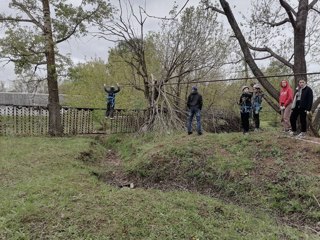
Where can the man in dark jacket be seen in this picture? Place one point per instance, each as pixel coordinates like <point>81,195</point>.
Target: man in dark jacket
<point>194,105</point>
<point>301,105</point>
<point>111,99</point>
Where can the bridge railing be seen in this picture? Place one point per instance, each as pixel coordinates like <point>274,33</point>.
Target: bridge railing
<point>34,120</point>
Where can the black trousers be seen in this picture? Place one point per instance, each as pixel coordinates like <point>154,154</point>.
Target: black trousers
<point>256,119</point>
<point>296,112</point>
<point>110,108</point>
<point>245,121</point>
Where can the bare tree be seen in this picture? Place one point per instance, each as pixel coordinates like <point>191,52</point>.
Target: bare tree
<point>33,34</point>
<point>191,48</point>
<point>285,14</point>
<point>185,50</point>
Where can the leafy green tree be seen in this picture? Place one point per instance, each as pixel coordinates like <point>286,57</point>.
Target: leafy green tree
<point>84,85</point>
<point>32,36</point>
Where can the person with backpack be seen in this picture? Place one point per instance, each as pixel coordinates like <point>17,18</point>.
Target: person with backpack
<point>301,106</point>
<point>285,104</point>
<point>245,108</point>
<point>111,99</point>
<point>194,105</point>
<point>257,96</point>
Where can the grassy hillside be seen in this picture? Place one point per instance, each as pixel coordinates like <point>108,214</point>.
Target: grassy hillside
<point>55,188</point>
<point>264,171</point>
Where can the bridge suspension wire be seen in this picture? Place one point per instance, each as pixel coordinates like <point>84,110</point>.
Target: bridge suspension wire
<point>221,80</point>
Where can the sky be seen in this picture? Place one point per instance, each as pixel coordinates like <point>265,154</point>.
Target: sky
<point>84,49</point>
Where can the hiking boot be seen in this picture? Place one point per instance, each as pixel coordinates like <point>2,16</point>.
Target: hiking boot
<point>189,133</point>
<point>199,133</point>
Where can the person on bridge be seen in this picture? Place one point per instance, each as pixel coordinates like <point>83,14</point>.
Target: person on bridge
<point>194,105</point>
<point>111,99</point>
<point>285,104</point>
<point>301,105</point>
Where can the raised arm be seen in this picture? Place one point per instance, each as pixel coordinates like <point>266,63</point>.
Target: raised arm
<point>118,90</point>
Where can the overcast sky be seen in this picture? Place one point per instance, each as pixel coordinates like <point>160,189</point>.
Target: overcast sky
<point>88,48</point>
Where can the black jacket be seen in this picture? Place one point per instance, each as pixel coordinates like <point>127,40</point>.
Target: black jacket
<point>306,99</point>
<point>194,100</point>
<point>245,102</point>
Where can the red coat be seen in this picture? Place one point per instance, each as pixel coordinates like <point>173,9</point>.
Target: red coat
<point>286,94</point>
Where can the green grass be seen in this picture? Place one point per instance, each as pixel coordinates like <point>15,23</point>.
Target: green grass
<point>229,164</point>
<point>48,193</point>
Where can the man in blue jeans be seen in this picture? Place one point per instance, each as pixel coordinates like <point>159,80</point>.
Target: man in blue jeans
<point>194,105</point>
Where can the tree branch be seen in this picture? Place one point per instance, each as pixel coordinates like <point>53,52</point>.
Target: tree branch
<point>311,5</point>
<point>246,51</point>
<point>316,10</point>
<point>276,24</point>
<point>3,19</point>
<point>25,10</point>
<point>263,58</point>
<point>74,29</point>
<point>276,56</point>
<point>290,12</point>
<point>206,2</point>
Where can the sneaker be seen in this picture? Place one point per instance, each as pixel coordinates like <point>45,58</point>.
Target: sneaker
<point>245,133</point>
<point>301,135</point>
<point>292,133</point>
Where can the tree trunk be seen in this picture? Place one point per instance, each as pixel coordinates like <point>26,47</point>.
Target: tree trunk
<point>246,51</point>
<point>55,127</point>
<point>300,66</point>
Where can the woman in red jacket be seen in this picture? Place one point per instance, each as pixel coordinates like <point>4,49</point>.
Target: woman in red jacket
<point>285,103</point>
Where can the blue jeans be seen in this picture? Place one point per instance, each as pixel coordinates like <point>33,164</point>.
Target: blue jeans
<point>192,112</point>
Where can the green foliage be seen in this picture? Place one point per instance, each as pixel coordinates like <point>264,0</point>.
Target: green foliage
<point>25,41</point>
<point>85,85</point>
<point>276,68</point>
